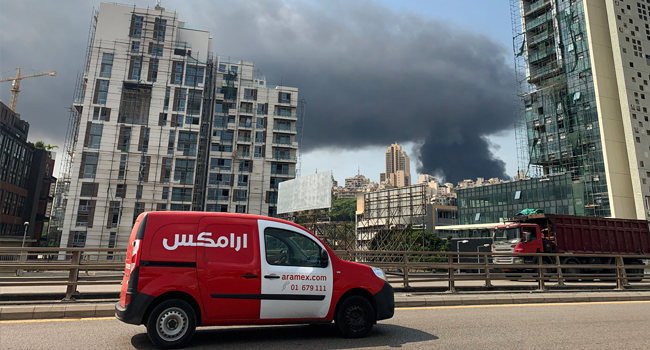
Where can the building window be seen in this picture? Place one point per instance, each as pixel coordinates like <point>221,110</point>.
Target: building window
<point>245,165</point>
<point>135,104</point>
<point>136,26</point>
<point>136,68</point>
<point>220,208</point>
<point>218,194</point>
<point>138,192</point>
<point>159,29</point>
<point>112,243</point>
<point>240,209</point>
<point>219,179</point>
<point>167,93</point>
<point>156,50</point>
<point>78,239</point>
<point>124,138</point>
<point>107,65</point>
<point>181,194</point>
<point>194,75</point>
<point>145,140</point>
<point>135,46</point>
<point>170,143</point>
<point>180,207</point>
<point>242,180</point>
<point>114,214</point>
<point>143,172</point>
<point>167,170</point>
<point>139,209</point>
<point>122,170</point>
<point>177,77</point>
<point>84,213</point>
<point>89,165</point>
<point>165,193</point>
<point>152,74</point>
<point>184,171</point>
<point>95,137</point>
<point>101,113</point>
<point>285,97</point>
<point>120,191</point>
<point>220,164</point>
<point>89,189</point>
<point>187,143</point>
<point>241,195</point>
<point>101,92</point>
<point>194,102</point>
<point>179,103</point>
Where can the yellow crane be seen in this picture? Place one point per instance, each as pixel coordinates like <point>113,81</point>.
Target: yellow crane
<point>15,86</point>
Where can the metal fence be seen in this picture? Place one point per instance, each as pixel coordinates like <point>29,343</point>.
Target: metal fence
<point>408,269</point>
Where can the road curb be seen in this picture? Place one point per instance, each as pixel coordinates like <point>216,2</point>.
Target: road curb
<point>85,310</point>
<point>530,298</point>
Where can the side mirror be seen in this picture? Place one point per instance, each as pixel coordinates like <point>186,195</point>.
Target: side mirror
<point>324,258</point>
<point>528,237</point>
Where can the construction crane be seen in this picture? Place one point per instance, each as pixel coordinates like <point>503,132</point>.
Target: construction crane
<point>15,86</point>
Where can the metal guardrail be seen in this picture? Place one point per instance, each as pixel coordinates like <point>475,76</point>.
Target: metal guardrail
<point>402,267</point>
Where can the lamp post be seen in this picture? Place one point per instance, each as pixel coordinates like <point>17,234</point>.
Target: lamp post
<point>478,250</point>
<point>25,233</point>
<point>23,256</point>
<point>458,249</point>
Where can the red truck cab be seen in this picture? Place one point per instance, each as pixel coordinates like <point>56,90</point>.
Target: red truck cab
<point>189,269</point>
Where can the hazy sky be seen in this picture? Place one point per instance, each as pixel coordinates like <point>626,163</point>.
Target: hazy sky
<point>433,75</point>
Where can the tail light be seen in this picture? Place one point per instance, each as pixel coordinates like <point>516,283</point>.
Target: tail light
<point>127,299</point>
<point>135,255</point>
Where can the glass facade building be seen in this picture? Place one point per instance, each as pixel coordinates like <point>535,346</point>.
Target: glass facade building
<point>493,203</point>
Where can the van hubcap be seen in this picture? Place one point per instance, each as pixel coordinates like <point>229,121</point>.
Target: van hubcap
<point>356,318</point>
<point>172,324</point>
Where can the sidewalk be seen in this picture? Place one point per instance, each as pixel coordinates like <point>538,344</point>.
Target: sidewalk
<point>107,308</point>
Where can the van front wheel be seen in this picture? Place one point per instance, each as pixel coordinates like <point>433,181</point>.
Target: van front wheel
<point>171,324</point>
<point>355,317</point>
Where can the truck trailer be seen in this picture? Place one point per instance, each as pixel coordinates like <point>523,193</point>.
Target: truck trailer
<point>572,235</point>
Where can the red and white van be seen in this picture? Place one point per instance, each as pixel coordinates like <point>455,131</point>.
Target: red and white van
<point>189,269</point>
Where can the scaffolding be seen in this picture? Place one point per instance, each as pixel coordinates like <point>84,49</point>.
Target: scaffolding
<point>556,119</point>
<point>393,219</point>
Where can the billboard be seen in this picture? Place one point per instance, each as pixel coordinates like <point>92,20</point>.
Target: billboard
<point>305,193</point>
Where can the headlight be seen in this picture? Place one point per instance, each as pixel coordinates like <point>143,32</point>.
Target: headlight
<point>518,260</point>
<point>379,273</point>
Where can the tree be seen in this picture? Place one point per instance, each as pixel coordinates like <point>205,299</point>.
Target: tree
<point>46,147</point>
<point>343,209</point>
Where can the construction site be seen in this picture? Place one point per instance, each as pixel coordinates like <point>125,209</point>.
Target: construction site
<point>556,119</point>
<point>159,122</point>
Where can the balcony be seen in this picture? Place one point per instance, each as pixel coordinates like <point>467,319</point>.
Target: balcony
<point>541,54</point>
<point>220,167</point>
<point>220,183</point>
<point>285,158</point>
<point>218,198</point>
<point>535,6</point>
<point>243,154</point>
<point>539,21</point>
<point>244,139</point>
<point>242,184</point>
<point>240,199</point>
<point>283,172</point>
<point>246,125</point>
<point>282,142</point>
<point>258,155</point>
<point>246,110</point>
<point>181,198</point>
<point>287,128</point>
<point>288,115</point>
<point>226,141</point>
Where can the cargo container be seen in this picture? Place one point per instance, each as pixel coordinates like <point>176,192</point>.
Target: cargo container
<point>568,234</point>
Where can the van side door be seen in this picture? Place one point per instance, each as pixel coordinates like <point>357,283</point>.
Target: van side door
<point>228,268</point>
<point>296,284</point>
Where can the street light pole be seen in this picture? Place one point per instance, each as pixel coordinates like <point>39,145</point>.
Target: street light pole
<point>458,249</point>
<point>478,250</point>
<point>25,233</point>
<point>23,256</point>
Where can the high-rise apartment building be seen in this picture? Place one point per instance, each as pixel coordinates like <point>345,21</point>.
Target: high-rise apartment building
<point>162,124</point>
<point>584,68</point>
<point>398,167</point>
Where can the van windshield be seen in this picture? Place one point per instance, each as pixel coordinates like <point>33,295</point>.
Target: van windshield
<point>507,235</point>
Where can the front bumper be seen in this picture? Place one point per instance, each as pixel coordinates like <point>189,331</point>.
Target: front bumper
<point>385,300</point>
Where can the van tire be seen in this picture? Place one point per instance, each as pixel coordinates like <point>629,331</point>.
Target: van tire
<point>171,324</point>
<point>355,317</point>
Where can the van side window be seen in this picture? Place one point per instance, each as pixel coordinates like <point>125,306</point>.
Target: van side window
<point>287,248</point>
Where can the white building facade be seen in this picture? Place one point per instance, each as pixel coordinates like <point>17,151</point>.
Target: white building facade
<point>164,125</point>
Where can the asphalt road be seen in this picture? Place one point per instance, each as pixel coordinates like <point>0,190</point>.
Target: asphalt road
<point>622,325</point>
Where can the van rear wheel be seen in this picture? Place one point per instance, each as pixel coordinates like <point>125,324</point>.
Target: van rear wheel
<point>171,324</point>
<point>355,317</point>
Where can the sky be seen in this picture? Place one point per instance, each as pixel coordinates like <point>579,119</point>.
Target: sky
<point>436,76</point>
